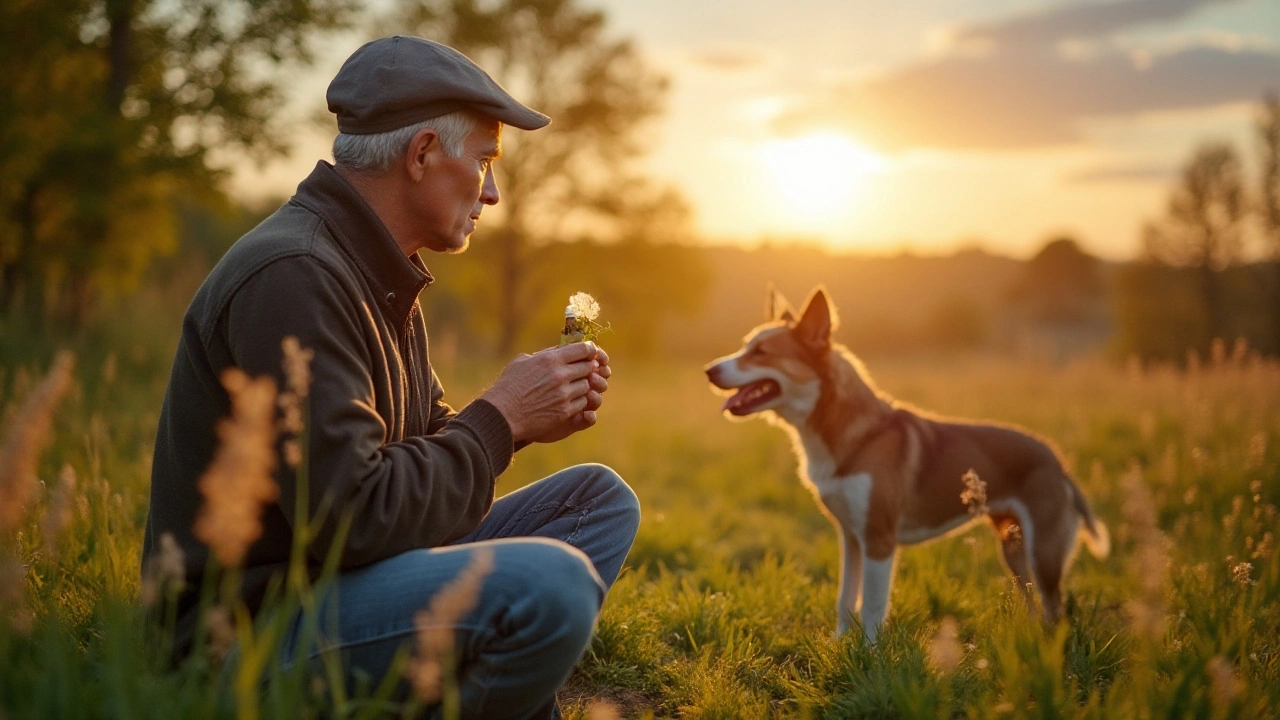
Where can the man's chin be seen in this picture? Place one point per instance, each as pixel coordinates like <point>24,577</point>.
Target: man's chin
<point>453,246</point>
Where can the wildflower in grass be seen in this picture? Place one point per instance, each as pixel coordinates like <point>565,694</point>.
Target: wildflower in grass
<point>584,306</point>
<point>944,648</point>
<point>239,481</point>
<point>1241,573</point>
<point>25,438</point>
<point>434,663</point>
<point>163,571</point>
<point>222,632</point>
<point>580,320</point>
<point>58,514</point>
<point>974,495</point>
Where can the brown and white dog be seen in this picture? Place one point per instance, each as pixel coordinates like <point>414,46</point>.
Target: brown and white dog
<point>887,475</point>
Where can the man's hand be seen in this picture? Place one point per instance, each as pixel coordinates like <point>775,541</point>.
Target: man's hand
<point>552,394</point>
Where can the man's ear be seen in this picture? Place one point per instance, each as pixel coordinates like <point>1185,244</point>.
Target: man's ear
<point>817,320</point>
<point>419,156</point>
<point>776,306</point>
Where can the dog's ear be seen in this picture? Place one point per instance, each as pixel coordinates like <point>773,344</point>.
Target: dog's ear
<point>776,307</point>
<point>817,320</point>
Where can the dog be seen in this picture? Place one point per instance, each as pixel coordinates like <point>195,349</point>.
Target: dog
<point>889,475</point>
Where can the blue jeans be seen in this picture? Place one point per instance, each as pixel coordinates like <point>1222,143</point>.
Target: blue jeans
<point>557,545</point>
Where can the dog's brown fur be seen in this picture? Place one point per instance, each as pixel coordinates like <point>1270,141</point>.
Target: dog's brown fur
<point>888,475</point>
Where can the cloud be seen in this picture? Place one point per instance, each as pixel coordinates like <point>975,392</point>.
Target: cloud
<point>1081,20</point>
<point>1120,173</point>
<point>730,58</point>
<point>1021,90</point>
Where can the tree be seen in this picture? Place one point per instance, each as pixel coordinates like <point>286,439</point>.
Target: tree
<point>573,179</point>
<point>109,109</point>
<point>1269,151</point>
<point>1203,227</point>
<point>1061,284</point>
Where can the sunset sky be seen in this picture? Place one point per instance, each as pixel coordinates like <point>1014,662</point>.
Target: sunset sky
<point>927,124</point>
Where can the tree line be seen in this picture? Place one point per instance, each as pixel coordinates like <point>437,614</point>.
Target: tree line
<point>1197,281</point>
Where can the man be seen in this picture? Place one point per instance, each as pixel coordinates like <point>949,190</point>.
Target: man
<point>337,268</point>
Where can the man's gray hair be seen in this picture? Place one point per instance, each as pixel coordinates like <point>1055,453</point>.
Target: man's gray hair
<point>375,154</point>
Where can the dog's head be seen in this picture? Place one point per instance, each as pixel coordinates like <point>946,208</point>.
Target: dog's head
<point>780,365</point>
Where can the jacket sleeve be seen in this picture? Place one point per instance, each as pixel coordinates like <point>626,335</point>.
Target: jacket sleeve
<point>441,413</point>
<point>420,492</point>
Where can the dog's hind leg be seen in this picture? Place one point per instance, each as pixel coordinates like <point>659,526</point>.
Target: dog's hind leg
<point>850,580</point>
<point>1014,549</point>
<point>1051,553</point>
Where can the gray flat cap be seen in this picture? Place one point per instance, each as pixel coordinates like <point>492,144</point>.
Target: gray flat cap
<point>394,82</point>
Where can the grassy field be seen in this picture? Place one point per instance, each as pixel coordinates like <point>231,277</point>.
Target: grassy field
<point>726,608</point>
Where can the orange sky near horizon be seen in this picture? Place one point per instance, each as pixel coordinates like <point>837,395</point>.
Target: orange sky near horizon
<point>926,126</point>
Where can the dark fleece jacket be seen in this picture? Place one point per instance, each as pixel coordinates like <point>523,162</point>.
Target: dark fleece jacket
<point>384,450</point>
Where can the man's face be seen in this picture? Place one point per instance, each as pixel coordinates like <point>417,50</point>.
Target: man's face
<point>457,189</point>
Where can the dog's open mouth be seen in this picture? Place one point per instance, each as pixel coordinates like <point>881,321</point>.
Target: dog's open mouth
<point>750,397</point>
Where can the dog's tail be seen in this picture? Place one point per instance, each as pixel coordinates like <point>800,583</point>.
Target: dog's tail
<point>1096,537</point>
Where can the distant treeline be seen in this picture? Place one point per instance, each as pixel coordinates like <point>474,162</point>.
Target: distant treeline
<point>696,302</point>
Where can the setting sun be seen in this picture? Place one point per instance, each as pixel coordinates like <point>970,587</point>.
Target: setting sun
<point>818,174</point>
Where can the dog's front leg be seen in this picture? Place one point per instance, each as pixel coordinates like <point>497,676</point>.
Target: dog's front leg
<point>850,580</point>
<point>877,580</point>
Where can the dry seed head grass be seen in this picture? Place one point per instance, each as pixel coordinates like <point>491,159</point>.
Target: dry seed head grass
<point>297,375</point>
<point>222,632</point>
<point>1150,560</point>
<point>59,514</point>
<point>163,570</point>
<point>240,479</point>
<point>26,437</point>
<point>434,655</point>
<point>974,495</point>
<point>1224,685</point>
<point>944,648</point>
<point>602,709</point>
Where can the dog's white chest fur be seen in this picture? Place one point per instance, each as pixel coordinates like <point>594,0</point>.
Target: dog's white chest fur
<point>846,497</point>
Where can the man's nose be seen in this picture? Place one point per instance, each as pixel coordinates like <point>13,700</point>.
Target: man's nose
<point>489,191</point>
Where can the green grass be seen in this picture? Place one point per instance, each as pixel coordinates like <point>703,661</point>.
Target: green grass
<point>727,606</point>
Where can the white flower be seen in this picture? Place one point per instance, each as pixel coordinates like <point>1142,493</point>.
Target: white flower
<point>584,306</point>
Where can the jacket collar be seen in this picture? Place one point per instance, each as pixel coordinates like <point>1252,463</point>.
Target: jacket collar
<point>396,280</point>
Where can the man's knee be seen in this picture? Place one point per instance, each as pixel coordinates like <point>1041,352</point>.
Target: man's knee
<point>614,492</point>
<point>562,587</point>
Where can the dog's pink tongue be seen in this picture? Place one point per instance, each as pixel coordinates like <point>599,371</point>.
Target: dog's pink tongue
<point>734,400</point>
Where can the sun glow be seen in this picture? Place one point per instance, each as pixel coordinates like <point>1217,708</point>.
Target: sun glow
<point>818,175</point>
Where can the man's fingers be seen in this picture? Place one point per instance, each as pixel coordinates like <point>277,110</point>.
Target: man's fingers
<point>578,370</point>
<point>594,400</point>
<point>598,383</point>
<point>579,388</point>
<point>575,352</point>
<point>602,357</point>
